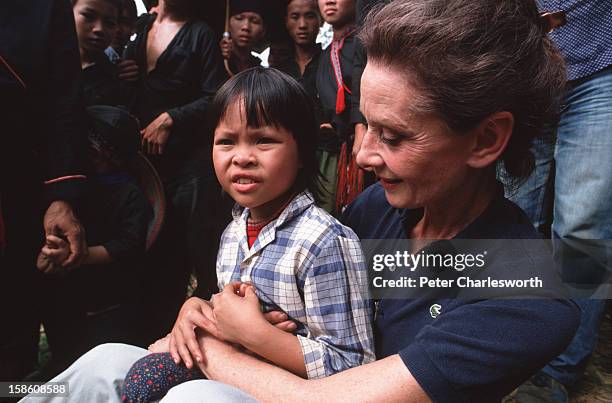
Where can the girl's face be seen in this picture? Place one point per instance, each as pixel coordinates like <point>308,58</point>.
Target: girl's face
<point>96,22</point>
<point>256,166</point>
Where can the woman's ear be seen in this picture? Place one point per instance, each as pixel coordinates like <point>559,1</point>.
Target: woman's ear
<point>491,138</point>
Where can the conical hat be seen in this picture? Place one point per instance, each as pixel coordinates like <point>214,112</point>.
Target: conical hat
<point>149,182</point>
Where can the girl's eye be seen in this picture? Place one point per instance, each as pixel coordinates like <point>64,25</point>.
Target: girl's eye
<point>88,16</point>
<point>224,142</point>
<point>267,140</point>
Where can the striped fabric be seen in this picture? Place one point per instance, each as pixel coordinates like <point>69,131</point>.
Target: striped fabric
<point>310,266</point>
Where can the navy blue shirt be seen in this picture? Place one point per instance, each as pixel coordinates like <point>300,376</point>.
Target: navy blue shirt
<point>585,39</point>
<point>474,350</point>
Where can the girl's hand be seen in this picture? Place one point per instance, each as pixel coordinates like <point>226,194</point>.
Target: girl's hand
<point>53,254</point>
<point>281,321</point>
<point>237,319</point>
<point>194,313</point>
<point>276,318</point>
<point>43,263</point>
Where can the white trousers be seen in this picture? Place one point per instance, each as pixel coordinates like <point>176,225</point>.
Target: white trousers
<point>98,375</point>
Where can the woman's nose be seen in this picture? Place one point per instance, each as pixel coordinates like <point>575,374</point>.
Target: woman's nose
<point>368,156</point>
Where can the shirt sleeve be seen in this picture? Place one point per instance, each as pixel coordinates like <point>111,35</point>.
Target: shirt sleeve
<point>193,115</point>
<point>131,236</point>
<point>480,351</point>
<point>338,310</point>
<point>66,135</point>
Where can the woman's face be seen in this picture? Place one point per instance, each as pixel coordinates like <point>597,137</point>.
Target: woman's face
<point>247,29</point>
<point>417,159</point>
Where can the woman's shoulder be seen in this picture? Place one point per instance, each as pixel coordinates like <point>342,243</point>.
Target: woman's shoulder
<point>372,217</point>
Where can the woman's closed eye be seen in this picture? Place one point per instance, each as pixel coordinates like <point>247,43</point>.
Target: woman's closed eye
<point>390,138</point>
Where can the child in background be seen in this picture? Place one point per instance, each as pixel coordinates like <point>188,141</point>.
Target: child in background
<point>298,258</point>
<point>96,24</point>
<point>115,215</point>
<point>126,26</point>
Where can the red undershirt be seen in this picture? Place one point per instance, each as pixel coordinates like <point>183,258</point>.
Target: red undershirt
<point>255,227</point>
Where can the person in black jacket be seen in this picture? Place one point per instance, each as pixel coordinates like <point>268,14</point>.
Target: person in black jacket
<point>40,171</point>
<point>180,70</point>
<point>96,25</point>
<point>115,214</point>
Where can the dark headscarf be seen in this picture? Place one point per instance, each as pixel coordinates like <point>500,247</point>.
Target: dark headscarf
<point>254,6</point>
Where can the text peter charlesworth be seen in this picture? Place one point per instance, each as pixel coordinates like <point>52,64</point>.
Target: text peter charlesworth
<point>404,260</point>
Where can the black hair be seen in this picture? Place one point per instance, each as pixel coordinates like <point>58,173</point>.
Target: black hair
<point>273,98</point>
<point>117,3</point>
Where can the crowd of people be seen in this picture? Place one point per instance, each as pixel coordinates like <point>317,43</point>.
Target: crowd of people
<point>414,123</point>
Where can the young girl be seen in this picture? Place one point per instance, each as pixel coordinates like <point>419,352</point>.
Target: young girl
<point>297,257</point>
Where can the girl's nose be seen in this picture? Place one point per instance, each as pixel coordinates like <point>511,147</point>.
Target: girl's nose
<point>368,156</point>
<point>243,157</point>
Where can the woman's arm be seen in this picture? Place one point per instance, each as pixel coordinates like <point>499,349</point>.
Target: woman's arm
<point>386,380</point>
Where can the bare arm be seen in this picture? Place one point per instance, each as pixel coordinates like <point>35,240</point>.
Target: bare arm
<point>98,255</point>
<point>386,380</point>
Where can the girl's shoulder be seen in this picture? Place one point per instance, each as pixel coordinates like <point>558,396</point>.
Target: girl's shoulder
<point>314,223</point>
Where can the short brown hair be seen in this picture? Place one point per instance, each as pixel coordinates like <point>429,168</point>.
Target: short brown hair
<point>472,58</point>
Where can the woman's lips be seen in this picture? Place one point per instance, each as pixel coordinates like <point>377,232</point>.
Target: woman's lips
<point>389,183</point>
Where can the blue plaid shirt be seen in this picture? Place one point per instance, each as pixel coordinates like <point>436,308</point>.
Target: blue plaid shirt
<point>308,265</point>
<point>586,39</point>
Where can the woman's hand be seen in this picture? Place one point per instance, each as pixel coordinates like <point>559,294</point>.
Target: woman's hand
<point>195,313</point>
